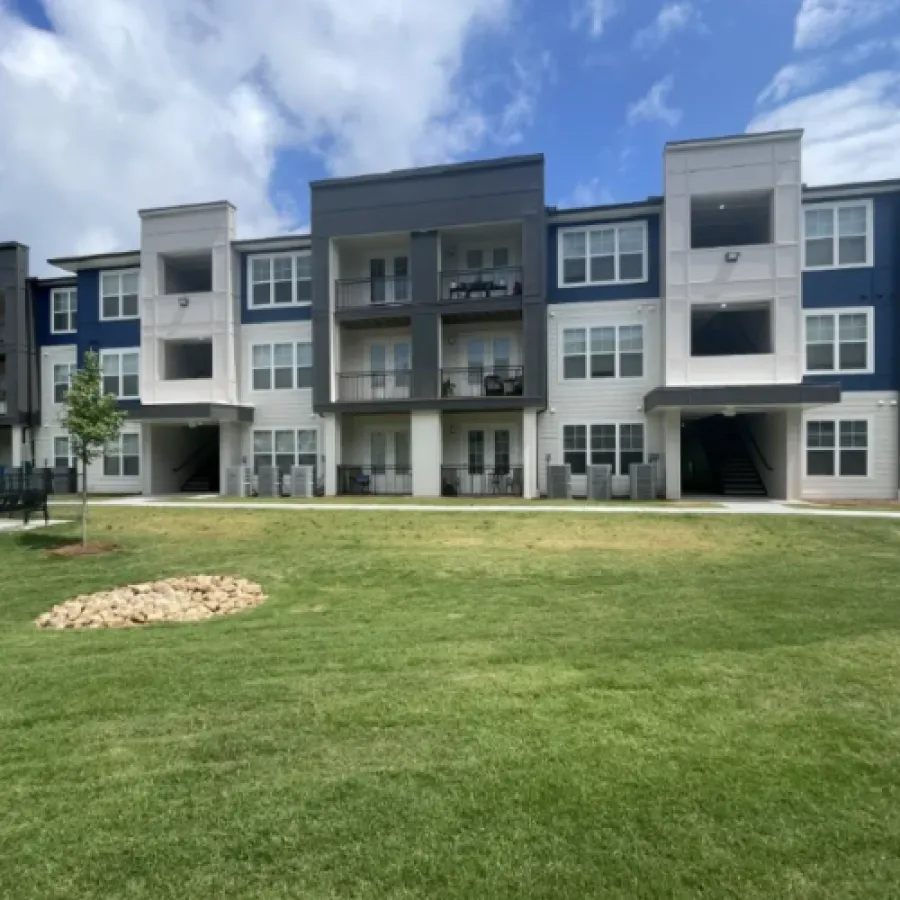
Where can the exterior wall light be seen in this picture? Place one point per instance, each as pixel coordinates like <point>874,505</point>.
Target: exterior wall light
<point>732,256</point>
<point>184,302</point>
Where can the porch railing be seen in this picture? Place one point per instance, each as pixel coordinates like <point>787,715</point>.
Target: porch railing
<point>393,384</point>
<point>374,479</point>
<point>359,293</point>
<point>481,284</point>
<point>482,481</point>
<point>483,381</point>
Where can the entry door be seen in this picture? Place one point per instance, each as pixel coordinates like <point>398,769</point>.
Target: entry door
<point>491,356</point>
<point>489,458</point>
<point>395,290</point>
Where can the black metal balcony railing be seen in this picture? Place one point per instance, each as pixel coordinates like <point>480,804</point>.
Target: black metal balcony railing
<point>482,481</point>
<point>483,381</point>
<point>360,293</point>
<point>374,479</point>
<point>480,284</point>
<point>355,387</point>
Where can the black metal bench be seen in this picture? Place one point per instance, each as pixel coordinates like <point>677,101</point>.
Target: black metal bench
<point>25,492</point>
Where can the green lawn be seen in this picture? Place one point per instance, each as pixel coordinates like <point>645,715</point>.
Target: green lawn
<point>460,706</point>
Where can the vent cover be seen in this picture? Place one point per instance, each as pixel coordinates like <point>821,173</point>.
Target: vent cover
<point>599,482</point>
<point>643,481</point>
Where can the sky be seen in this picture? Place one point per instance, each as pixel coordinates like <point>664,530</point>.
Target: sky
<point>143,103</point>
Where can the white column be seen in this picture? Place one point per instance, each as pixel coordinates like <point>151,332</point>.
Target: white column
<point>17,432</point>
<point>672,443</point>
<point>426,453</point>
<point>146,439</point>
<point>794,454</point>
<point>332,452</point>
<point>530,454</point>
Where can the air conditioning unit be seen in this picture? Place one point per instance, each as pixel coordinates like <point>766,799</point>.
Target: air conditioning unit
<point>268,482</point>
<point>559,482</point>
<point>303,481</point>
<point>643,481</point>
<point>237,481</point>
<point>599,482</point>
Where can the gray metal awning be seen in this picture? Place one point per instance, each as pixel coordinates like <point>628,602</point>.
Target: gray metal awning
<point>188,412</point>
<point>742,396</point>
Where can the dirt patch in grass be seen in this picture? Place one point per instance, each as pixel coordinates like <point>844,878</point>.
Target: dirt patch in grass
<point>92,548</point>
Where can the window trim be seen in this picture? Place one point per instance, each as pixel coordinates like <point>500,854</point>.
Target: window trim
<point>836,312</point>
<point>836,450</point>
<point>120,352</point>
<point>833,206</point>
<point>120,454</point>
<point>588,426</point>
<point>70,455</point>
<point>73,368</point>
<point>272,431</point>
<point>294,367</point>
<point>588,328</point>
<point>100,295</point>
<point>72,311</point>
<point>596,226</point>
<point>293,255</point>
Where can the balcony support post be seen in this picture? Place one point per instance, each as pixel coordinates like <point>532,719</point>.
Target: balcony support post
<point>332,452</point>
<point>530,454</point>
<point>427,444</point>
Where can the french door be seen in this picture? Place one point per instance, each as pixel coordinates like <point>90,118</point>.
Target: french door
<point>389,290</point>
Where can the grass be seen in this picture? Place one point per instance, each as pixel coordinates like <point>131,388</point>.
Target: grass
<point>460,706</point>
<point>381,500</point>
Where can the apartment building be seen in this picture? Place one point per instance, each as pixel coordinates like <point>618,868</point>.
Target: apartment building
<point>441,331</point>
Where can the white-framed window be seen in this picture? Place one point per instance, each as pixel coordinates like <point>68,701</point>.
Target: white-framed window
<point>284,448</point>
<point>602,254</point>
<point>64,308</point>
<point>62,378</point>
<point>606,351</point>
<point>119,295</point>
<point>838,448</point>
<point>282,366</point>
<point>840,341</point>
<point>63,452</point>
<point>280,279</point>
<point>615,444</point>
<point>121,373</point>
<point>123,456</point>
<point>837,235</point>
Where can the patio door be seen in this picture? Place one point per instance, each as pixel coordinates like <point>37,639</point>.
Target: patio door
<point>488,356</point>
<point>389,459</point>
<point>395,290</point>
<point>489,469</point>
<point>390,367</point>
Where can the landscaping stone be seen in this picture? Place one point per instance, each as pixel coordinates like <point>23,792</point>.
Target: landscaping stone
<point>193,598</point>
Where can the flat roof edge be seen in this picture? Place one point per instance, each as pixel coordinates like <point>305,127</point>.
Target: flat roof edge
<point>752,137</point>
<point>183,207</point>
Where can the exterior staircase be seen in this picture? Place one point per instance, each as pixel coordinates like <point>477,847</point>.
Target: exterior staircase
<point>730,460</point>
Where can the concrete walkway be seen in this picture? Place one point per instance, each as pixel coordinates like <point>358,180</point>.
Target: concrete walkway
<point>12,525</point>
<point>724,508</point>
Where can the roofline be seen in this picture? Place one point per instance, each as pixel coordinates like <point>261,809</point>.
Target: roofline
<point>605,211</point>
<point>431,171</point>
<point>96,261</point>
<point>852,189</point>
<point>752,137</point>
<point>9,245</point>
<point>287,240</point>
<point>184,207</point>
<point>52,282</point>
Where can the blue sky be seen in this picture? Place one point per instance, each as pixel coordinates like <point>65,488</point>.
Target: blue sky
<point>151,102</point>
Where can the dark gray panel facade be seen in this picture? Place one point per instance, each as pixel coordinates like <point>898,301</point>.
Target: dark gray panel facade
<point>17,339</point>
<point>187,412</point>
<point>742,396</point>
<point>421,202</point>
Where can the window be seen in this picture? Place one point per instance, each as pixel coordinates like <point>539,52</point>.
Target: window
<point>263,442</point>
<point>839,341</point>
<point>306,447</point>
<point>603,254</point>
<point>501,451</point>
<point>284,448</point>
<point>474,259</point>
<point>282,279</point>
<point>280,366</point>
<point>838,235</point>
<point>837,448</point>
<point>64,303</point>
<point>123,456</point>
<point>731,220</point>
<point>603,446</point>
<point>62,378</point>
<point>63,457</point>
<point>378,451</point>
<point>575,448</point>
<point>119,295</point>
<point>121,369</point>
<point>476,452</point>
<point>615,352</point>
<point>631,446</point>
<point>475,361</point>
<point>502,348</point>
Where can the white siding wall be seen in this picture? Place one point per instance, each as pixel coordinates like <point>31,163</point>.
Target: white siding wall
<point>596,401</point>
<point>881,483</point>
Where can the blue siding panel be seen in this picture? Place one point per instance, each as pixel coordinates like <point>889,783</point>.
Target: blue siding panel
<point>94,334</point>
<point>876,286</point>
<point>42,316</point>
<point>645,290</point>
<point>264,316</point>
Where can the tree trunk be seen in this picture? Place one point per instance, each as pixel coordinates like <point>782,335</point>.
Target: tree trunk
<point>84,503</point>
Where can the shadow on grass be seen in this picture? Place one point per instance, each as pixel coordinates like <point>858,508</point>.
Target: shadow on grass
<point>44,540</point>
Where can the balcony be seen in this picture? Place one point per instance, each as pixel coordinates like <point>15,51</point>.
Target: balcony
<point>483,381</point>
<point>481,284</point>
<point>368,480</point>
<point>360,387</point>
<point>372,293</point>
<point>482,481</point>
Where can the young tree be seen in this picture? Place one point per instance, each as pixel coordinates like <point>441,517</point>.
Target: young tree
<point>92,420</point>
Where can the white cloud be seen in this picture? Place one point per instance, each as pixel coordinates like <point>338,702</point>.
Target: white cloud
<point>653,107</point>
<point>674,17</point>
<point>852,131</point>
<point>595,14</point>
<point>821,22</point>
<point>143,103</point>
<point>587,193</point>
<point>791,80</point>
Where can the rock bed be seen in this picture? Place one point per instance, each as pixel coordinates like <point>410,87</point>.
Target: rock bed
<point>192,598</point>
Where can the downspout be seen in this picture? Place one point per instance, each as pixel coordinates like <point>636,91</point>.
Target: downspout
<point>34,369</point>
